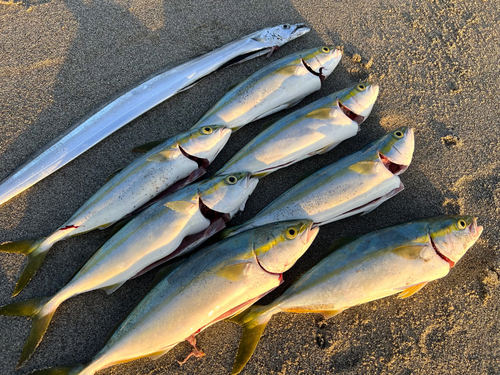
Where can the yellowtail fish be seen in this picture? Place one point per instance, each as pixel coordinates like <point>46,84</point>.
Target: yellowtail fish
<point>182,159</point>
<point>314,129</point>
<point>140,99</point>
<point>358,183</point>
<point>277,86</point>
<point>400,259</point>
<point>165,230</point>
<point>212,285</point>
<point>178,161</point>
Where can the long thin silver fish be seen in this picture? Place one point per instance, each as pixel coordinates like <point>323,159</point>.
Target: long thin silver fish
<point>212,285</point>
<point>176,160</point>
<point>163,231</point>
<point>142,98</point>
<point>355,184</point>
<point>314,129</point>
<point>400,259</point>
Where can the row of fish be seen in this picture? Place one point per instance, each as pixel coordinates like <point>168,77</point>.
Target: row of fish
<point>250,262</point>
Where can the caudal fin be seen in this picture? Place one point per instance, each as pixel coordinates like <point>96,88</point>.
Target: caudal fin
<point>35,254</point>
<point>253,321</point>
<point>33,308</point>
<point>66,370</point>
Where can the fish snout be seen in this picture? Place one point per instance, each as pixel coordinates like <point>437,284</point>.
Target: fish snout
<point>475,230</point>
<point>300,29</point>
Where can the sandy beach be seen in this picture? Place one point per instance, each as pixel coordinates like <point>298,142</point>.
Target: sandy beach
<point>437,64</point>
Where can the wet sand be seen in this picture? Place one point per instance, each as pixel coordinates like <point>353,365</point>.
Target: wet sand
<point>437,63</point>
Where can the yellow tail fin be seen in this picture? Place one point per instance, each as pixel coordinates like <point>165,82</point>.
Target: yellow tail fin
<point>31,308</point>
<point>68,370</point>
<point>253,321</point>
<point>35,254</point>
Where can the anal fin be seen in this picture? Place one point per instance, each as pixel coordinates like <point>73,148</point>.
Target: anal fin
<point>111,288</point>
<point>411,290</point>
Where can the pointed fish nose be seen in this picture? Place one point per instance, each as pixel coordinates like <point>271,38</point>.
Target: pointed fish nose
<point>300,29</point>
<point>224,131</point>
<point>312,232</point>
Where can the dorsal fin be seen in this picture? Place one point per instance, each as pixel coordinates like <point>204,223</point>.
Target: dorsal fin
<point>148,146</point>
<point>113,174</point>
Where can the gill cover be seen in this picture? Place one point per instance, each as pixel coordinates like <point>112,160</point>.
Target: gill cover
<point>453,236</point>
<point>283,243</point>
<point>397,146</point>
<point>205,142</point>
<point>321,61</point>
<point>360,98</point>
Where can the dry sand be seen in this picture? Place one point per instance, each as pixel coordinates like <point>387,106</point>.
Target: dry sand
<point>437,62</point>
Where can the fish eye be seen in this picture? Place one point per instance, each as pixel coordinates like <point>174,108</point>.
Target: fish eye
<point>231,180</point>
<point>286,26</point>
<point>399,134</point>
<point>325,49</point>
<point>291,233</point>
<point>206,130</point>
<point>361,87</point>
<point>461,224</point>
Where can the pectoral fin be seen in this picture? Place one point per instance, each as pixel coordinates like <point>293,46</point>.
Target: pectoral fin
<point>234,272</point>
<point>412,290</point>
<point>364,167</point>
<point>409,251</point>
<point>320,114</point>
<point>182,206</point>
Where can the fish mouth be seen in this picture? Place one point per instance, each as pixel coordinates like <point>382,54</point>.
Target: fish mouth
<point>312,231</point>
<point>475,229</point>
<point>312,71</point>
<point>200,161</point>
<point>441,255</point>
<point>353,116</point>
<point>394,168</point>
<point>300,29</point>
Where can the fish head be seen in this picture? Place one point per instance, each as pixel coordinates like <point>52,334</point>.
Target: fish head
<point>279,245</point>
<point>321,61</point>
<point>279,35</point>
<point>227,193</point>
<point>395,149</point>
<point>452,236</point>
<point>205,142</point>
<point>357,101</point>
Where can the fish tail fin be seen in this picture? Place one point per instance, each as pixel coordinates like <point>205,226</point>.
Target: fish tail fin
<point>35,252</point>
<point>63,370</point>
<point>253,321</point>
<point>41,319</point>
